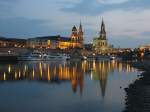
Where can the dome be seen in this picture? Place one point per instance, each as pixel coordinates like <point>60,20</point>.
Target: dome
<point>74,28</point>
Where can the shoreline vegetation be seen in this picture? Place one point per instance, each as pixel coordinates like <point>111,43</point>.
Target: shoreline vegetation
<point>138,93</point>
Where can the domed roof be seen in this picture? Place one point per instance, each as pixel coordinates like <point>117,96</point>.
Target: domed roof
<point>74,28</point>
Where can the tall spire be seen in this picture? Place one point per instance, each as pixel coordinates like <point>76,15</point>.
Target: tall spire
<point>103,26</point>
<point>102,20</point>
<point>103,32</point>
<point>80,35</point>
<point>80,27</point>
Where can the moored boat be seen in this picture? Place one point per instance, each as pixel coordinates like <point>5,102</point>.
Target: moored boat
<point>39,56</point>
<point>102,57</point>
<point>57,56</point>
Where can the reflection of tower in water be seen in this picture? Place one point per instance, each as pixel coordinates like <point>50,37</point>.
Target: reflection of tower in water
<point>103,70</point>
<point>77,79</point>
<point>103,83</point>
<point>60,72</point>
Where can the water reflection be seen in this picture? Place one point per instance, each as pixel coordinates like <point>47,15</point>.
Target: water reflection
<point>57,72</point>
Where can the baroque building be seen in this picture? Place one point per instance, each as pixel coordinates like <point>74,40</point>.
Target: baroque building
<point>77,37</point>
<point>49,42</point>
<point>100,44</point>
<point>58,42</point>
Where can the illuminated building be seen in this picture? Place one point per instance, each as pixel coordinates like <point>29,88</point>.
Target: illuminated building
<point>51,42</point>
<point>64,43</point>
<point>77,37</point>
<point>100,44</point>
<point>142,47</point>
<point>58,42</point>
<point>12,42</point>
<point>43,42</point>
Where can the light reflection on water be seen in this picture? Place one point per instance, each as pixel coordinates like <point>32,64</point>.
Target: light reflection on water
<point>83,77</point>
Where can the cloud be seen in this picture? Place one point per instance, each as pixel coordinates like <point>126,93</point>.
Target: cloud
<point>45,17</point>
<point>96,7</point>
<point>128,23</point>
<point>10,1</point>
<point>23,28</point>
<point>6,8</point>
<point>125,42</point>
<point>146,34</point>
<point>112,1</point>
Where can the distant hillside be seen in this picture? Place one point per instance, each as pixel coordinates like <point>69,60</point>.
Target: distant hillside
<point>57,37</point>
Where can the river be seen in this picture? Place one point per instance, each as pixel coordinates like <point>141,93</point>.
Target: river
<point>57,86</point>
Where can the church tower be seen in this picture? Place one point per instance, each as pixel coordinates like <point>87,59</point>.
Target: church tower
<point>101,43</point>
<point>80,36</point>
<point>74,37</point>
<point>77,37</point>
<point>102,32</point>
<point>102,37</point>
<point>74,32</point>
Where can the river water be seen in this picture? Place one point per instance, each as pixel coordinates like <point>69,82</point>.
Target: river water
<point>55,86</point>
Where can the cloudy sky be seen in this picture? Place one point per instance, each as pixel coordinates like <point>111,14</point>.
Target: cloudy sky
<point>127,21</point>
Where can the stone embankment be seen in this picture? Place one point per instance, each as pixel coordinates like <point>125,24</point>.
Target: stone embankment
<point>138,93</point>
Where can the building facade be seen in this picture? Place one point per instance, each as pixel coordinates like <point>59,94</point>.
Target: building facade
<point>12,42</point>
<point>49,42</point>
<point>100,44</point>
<point>58,42</point>
<point>77,39</point>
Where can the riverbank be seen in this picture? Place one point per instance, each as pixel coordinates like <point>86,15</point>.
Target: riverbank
<point>138,93</point>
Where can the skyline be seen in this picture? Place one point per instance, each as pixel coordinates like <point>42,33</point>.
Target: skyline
<point>127,22</point>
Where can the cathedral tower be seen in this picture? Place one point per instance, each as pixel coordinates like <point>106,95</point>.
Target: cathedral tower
<point>74,36</point>
<point>102,32</point>
<point>102,37</point>
<point>77,37</point>
<point>80,35</point>
<point>101,43</point>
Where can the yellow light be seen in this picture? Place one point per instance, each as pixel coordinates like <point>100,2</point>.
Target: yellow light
<point>33,73</point>
<point>49,43</point>
<point>25,68</point>
<point>15,75</point>
<point>4,76</point>
<point>142,55</point>
<point>48,74</point>
<point>41,71</point>
<point>9,68</point>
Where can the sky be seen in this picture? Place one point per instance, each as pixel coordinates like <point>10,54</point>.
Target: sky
<point>127,21</point>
